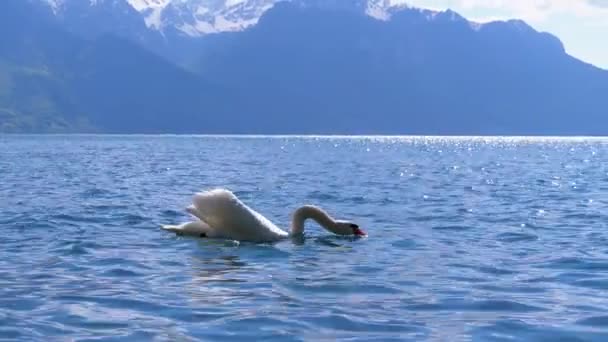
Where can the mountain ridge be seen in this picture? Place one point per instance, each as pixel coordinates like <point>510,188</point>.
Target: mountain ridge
<point>302,69</point>
<point>410,74</point>
<point>174,28</point>
<point>197,17</point>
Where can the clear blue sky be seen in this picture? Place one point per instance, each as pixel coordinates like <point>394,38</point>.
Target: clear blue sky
<point>582,25</point>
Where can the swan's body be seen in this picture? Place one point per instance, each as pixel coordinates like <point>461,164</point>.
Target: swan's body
<point>222,215</point>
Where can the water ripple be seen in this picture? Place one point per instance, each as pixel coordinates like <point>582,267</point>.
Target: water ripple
<point>470,239</point>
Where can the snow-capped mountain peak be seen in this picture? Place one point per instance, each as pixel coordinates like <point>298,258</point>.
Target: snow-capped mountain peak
<point>151,10</point>
<point>143,5</point>
<point>201,17</point>
<point>382,9</point>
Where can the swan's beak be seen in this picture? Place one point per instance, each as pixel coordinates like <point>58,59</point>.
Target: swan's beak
<point>359,232</point>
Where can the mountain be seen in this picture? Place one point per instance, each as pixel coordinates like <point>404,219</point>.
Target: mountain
<point>304,66</point>
<point>139,18</point>
<point>54,81</point>
<point>171,28</point>
<point>90,19</point>
<point>32,97</point>
<point>421,72</point>
<point>197,18</point>
<point>201,17</point>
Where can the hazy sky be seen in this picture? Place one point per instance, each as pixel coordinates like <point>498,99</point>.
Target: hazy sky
<point>582,25</point>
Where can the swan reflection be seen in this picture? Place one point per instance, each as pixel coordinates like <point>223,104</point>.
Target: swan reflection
<point>218,280</point>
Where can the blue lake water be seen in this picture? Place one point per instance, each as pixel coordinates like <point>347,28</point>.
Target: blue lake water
<point>469,239</point>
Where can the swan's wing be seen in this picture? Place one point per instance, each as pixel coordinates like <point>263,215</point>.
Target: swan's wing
<point>231,218</point>
<point>194,212</point>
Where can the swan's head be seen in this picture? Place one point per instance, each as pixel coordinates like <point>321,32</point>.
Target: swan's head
<point>347,228</point>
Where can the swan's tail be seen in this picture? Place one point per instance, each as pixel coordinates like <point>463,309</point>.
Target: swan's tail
<point>171,228</point>
<point>194,228</point>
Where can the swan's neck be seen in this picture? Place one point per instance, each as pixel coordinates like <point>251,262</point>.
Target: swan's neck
<point>310,212</point>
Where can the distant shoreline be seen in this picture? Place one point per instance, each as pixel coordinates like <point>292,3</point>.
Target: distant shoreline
<point>323,136</point>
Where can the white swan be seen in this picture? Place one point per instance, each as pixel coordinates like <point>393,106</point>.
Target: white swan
<point>223,216</point>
